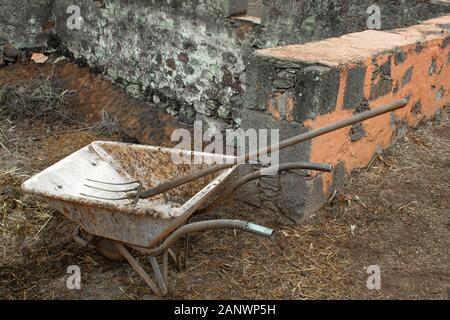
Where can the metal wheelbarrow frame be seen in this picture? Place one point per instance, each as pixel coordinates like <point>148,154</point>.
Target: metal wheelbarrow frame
<point>158,219</point>
<point>150,227</point>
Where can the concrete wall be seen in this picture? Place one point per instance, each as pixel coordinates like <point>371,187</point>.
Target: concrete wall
<point>302,87</point>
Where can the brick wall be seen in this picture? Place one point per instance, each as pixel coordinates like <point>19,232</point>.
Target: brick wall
<point>301,87</point>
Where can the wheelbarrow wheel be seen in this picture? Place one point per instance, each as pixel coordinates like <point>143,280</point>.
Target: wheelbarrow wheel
<point>107,249</point>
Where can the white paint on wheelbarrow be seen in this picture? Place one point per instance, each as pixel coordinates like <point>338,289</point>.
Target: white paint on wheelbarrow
<point>65,181</point>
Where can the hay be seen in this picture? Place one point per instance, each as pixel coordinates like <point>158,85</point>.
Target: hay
<point>37,99</point>
<point>108,124</point>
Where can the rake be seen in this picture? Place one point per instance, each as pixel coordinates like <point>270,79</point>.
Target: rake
<point>134,190</point>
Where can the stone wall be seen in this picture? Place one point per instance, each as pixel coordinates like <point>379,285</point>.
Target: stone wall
<point>301,21</point>
<point>302,87</point>
<point>184,56</point>
<point>190,59</point>
<point>25,23</point>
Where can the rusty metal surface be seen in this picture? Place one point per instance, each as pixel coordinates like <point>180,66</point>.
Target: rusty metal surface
<point>152,168</point>
<point>142,225</point>
<point>139,230</point>
<point>211,225</point>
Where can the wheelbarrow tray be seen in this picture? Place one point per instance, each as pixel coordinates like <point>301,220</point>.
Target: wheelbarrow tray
<point>65,187</point>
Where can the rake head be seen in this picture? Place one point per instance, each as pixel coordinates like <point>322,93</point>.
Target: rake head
<point>129,190</point>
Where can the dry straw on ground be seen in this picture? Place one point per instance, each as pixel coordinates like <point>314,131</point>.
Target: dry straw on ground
<point>393,213</point>
<point>108,124</point>
<point>37,99</point>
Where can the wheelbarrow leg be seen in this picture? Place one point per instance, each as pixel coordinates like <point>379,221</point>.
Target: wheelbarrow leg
<point>165,267</point>
<point>158,275</point>
<point>136,266</point>
<point>173,255</point>
<point>179,259</point>
<point>186,250</point>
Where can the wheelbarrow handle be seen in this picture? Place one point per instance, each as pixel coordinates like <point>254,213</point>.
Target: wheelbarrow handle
<point>260,173</point>
<point>211,225</point>
<point>199,173</point>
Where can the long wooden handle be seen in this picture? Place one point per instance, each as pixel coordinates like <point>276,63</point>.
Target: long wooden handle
<point>199,173</point>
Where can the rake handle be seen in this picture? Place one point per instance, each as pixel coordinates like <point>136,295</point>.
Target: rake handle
<point>199,173</point>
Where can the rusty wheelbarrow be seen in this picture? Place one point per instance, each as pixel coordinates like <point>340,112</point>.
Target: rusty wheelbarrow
<point>81,187</point>
<point>150,227</point>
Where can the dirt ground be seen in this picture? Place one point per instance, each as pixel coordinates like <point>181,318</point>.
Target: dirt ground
<point>394,214</point>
